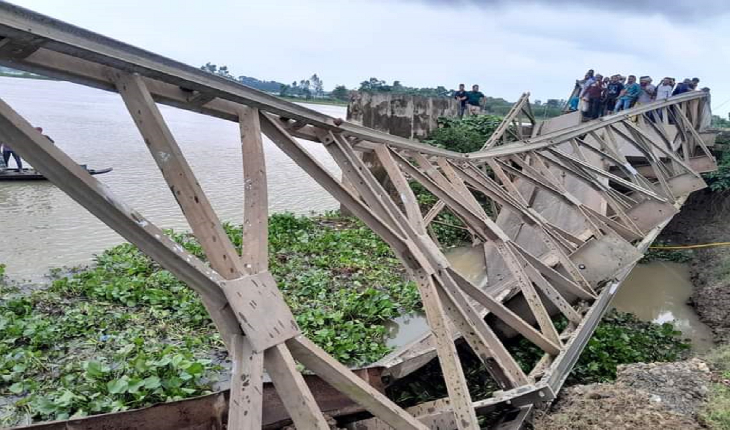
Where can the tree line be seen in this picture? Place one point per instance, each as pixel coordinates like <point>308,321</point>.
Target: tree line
<point>309,88</point>
<point>313,88</point>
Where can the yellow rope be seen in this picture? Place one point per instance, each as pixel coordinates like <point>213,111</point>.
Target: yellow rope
<point>704,245</point>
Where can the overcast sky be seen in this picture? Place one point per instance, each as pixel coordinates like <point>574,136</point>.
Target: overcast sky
<point>506,47</point>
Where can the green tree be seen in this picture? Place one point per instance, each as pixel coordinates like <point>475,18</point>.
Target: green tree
<point>720,122</point>
<point>209,67</point>
<point>223,71</point>
<point>284,90</point>
<point>317,85</point>
<point>341,93</point>
<point>374,85</point>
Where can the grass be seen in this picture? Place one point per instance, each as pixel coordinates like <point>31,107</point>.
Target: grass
<point>716,413</point>
<point>124,333</point>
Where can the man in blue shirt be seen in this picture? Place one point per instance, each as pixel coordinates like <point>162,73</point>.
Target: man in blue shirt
<point>682,87</point>
<point>629,94</point>
<point>474,100</point>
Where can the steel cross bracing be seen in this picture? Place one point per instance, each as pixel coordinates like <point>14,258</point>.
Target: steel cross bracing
<point>569,211</point>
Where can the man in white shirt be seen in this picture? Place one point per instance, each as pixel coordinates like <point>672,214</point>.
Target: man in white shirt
<point>664,90</point>
<point>648,91</point>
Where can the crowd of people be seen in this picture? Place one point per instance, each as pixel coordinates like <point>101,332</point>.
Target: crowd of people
<point>596,95</point>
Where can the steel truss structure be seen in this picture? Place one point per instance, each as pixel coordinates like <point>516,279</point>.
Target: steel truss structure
<point>572,209</point>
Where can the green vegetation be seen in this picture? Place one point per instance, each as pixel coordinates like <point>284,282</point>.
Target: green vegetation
<point>375,85</point>
<point>719,122</point>
<point>461,135</point>
<point>222,71</point>
<point>322,101</point>
<point>673,255</point>
<point>464,135</point>
<point>341,93</point>
<point>716,413</point>
<point>125,333</point>
<point>719,180</point>
<point>620,338</point>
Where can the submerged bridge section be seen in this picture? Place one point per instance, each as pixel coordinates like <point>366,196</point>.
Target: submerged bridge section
<point>576,205</point>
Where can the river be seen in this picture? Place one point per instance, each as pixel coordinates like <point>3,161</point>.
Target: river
<point>42,228</point>
<point>656,291</point>
<point>659,291</point>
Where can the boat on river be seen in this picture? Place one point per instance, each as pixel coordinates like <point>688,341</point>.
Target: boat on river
<point>34,175</point>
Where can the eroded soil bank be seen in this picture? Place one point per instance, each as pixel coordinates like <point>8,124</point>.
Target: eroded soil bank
<point>689,394</point>
<point>655,396</point>
<point>705,219</point>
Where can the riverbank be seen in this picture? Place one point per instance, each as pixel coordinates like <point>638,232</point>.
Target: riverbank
<point>703,220</point>
<point>689,394</point>
<point>25,75</point>
<point>331,102</point>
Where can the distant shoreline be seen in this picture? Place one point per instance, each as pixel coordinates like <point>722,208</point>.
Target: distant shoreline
<point>315,101</point>
<point>26,75</point>
<point>332,102</point>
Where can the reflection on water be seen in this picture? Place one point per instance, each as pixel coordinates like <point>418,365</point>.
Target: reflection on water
<point>43,228</point>
<point>469,262</point>
<point>658,291</point>
<point>405,329</point>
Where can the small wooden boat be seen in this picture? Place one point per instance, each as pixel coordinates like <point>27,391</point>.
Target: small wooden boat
<point>34,175</point>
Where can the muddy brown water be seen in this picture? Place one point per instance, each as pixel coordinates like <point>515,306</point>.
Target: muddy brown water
<point>656,291</point>
<point>659,291</point>
<point>42,228</point>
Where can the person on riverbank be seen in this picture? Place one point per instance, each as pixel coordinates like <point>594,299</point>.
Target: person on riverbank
<point>7,153</point>
<point>629,94</point>
<point>474,100</point>
<point>461,97</point>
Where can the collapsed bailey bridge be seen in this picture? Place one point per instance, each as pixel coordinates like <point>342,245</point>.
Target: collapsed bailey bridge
<point>577,205</point>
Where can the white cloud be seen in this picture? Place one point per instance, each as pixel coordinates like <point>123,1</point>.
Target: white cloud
<point>506,47</point>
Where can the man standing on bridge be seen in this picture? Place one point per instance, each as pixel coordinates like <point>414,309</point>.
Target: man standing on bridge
<point>474,100</point>
<point>629,94</point>
<point>461,97</point>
